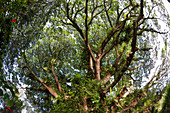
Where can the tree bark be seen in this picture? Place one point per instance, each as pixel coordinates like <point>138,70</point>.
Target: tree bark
<point>97,69</point>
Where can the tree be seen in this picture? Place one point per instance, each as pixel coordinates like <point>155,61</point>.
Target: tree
<point>90,54</point>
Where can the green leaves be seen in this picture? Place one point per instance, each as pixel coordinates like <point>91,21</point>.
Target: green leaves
<point>58,48</point>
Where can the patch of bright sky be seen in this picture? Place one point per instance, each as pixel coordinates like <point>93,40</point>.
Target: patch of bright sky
<point>160,44</point>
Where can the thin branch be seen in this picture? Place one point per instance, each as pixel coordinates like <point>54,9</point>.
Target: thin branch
<point>34,88</point>
<point>106,51</point>
<point>41,68</point>
<point>72,9</point>
<point>121,93</point>
<point>39,59</point>
<point>74,24</point>
<point>128,74</point>
<point>144,49</point>
<point>119,14</point>
<point>83,36</point>
<point>116,103</point>
<point>156,77</point>
<point>92,17</point>
<point>117,59</point>
<point>151,10</point>
<point>86,23</point>
<point>154,31</point>
<point>127,93</point>
<point>117,53</point>
<point>66,23</point>
<point>74,18</point>
<point>131,69</point>
<point>114,43</point>
<point>107,14</point>
<point>19,65</point>
<point>67,10</point>
<point>92,14</point>
<point>141,8</point>
<point>153,18</point>
<point>141,30</point>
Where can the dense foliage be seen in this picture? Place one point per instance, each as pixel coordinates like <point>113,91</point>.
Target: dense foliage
<point>8,91</point>
<point>90,55</point>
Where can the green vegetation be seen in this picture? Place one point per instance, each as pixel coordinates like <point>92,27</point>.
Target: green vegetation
<point>85,55</point>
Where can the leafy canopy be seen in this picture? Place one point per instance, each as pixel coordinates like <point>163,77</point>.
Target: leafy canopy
<point>83,55</point>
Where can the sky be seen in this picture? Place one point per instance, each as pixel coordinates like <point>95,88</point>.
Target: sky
<point>160,39</point>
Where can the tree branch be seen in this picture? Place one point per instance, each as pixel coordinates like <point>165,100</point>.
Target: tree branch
<point>119,14</point>
<point>107,14</point>
<point>75,25</point>
<point>91,66</point>
<point>108,39</point>
<point>122,25</point>
<point>131,69</point>
<point>154,31</point>
<point>41,68</point>
<point>106,51</point>
<point>74,18</point>
<point>72,9</point>
<point>121,93</point>
<point>86,23</point>
<point>66,23</point>
<point>85,107</point>
<point>37,79</point>
<point>133,49</point>
<point>106,79</point>
<point>92,17</point>
<point>54,74</point>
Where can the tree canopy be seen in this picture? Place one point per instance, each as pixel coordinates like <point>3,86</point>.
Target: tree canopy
<point>90,55</point>
<point>8,90</point>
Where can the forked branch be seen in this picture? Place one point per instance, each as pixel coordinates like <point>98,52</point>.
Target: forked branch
<point>37,79</point>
